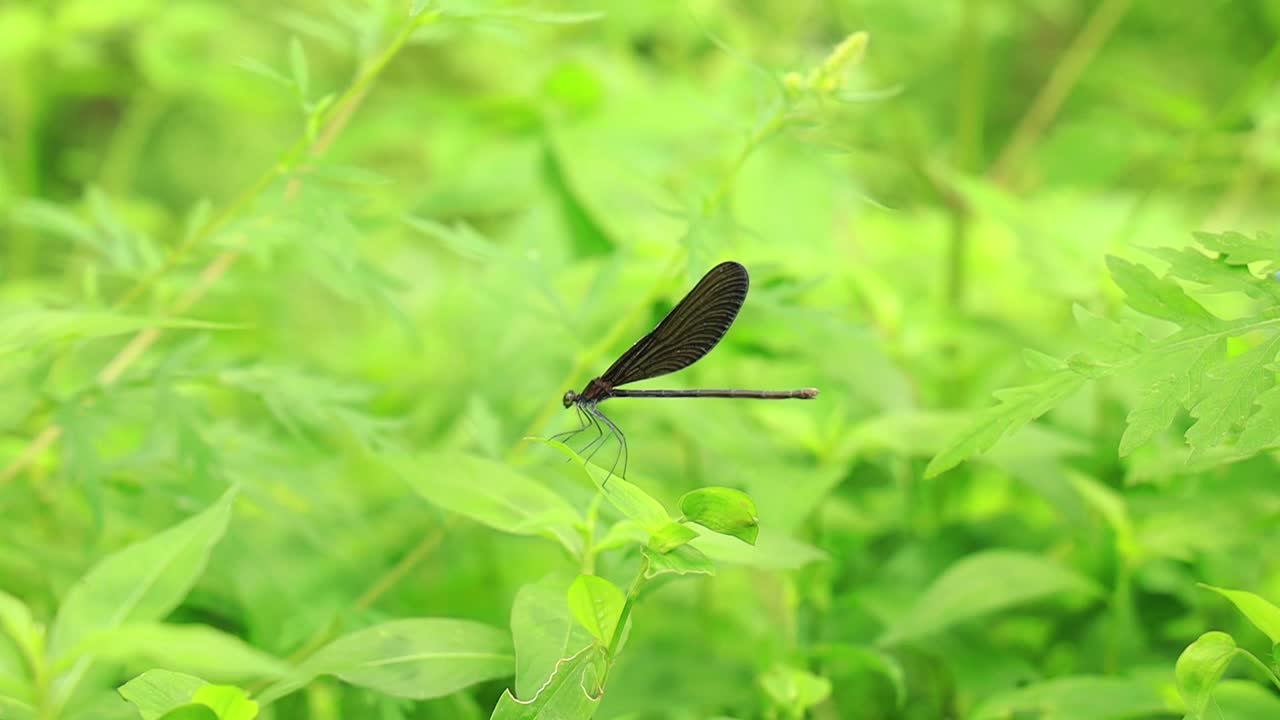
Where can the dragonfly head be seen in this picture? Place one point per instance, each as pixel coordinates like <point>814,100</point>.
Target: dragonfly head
<point>570,398</point>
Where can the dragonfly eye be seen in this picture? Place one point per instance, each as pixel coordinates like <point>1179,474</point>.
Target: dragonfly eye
<point>569,398</point>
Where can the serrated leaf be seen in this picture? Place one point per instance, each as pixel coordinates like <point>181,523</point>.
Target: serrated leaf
<point>417,658</point>
<point>1264,615</point>
<point>1229,401</point>
<point>596,604</point>
<point>1262,429</point>
<point>573,692</point>
<point>1158,297</point>
<point>1215,274</point>
<point>684,560</point>
<point>1200,667</point>
<point>1154,412</point>
<point>1114,341</point>
<point>981,584</point>
<point>671,536</point>
<point>723,510</point>
<point>1018,406</point>
<point>543,631</point>
<point>156,692</point>
<point>142,582</point>
<point>1239,249</point>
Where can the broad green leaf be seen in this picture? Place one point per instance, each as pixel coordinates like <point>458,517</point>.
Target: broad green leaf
<point>193,711</point>
<point>1158,297</point>
<point>684,560</point>
<point>981,584</point>
<point>1018,406</point>
<point>628,499</point>
<point>17,623</point>
<point>230,703</point>
<point>573,691</point>
<point>672,536</point>
<point>723,510</point>
<point>773,550</point>
<point>418,658</point>
<point>1154,412</point>
<point>31,328</point>
<point>597,604</point>
<point>1264,615</point>
<point>493,494</point>
<point>543,631</point>
<point>1200,667</point>
<point>1234,388</point>
<point>1076,698</point>
<point>197,649</point>
<point>142,582</point>
<point>1240,249</point>
<point>298,67</point>
<point>156,692</point>
<point>793,689</point>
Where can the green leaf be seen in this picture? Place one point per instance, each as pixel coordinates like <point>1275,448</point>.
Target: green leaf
<point>1240,249</point>
<point>627,498</point>
<point>1263,615</point>
<point>230,703</point>
<point>793,689</point>
<point>17,623</point>
<point>31,328</point>
<point>1199,669</point>
<point>142,582</point>
<point>573,691</point>
<point>1158,297</point>
<point>587,236</point>
<point>1018,406</point>
<point>298,67</point>
<point>671,536</point>
<point>683,560</point>
<point>156,692</point>
<point>194,711</point>
<point>417,658</point>
<point>981,584</point>
<point>197,649</point>
<point>723,510</point>
<point>1155,411</point>
<point>493,494</point>
<point>1076,698</point>
<point>1235,387</point>
<point>773,550</point>
<point>841,660</point>
<point>597,604</point>
<point>1216,274</point>
<point>1262,429</point>
<point>543,630</point>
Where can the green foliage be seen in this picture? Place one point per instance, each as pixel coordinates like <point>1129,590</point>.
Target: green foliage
<point>344,258</point>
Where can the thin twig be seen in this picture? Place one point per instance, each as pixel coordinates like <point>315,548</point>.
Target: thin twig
<point>1066,74</point>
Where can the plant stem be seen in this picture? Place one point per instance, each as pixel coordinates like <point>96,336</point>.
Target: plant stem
<point>632,593</point>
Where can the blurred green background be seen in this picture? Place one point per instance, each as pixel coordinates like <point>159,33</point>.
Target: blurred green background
<point>413,235</point>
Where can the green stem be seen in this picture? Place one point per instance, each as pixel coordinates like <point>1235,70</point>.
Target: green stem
<point>632,593</point>
<point>1271,674</point>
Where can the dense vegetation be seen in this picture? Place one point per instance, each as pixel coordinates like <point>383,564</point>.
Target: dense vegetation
<point>290,293</point>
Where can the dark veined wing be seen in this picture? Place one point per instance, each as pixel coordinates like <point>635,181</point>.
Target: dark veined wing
<point>689,331</point>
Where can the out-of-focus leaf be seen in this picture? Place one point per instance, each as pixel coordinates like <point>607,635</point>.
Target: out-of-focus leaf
<point>197,649</point>
<point>1077,698</point>
<point>32,328</point>
<point>142,582</point>
<point>793,689</point>
<point>156,692</point>
<point>981,584</point>
<point>772,550</point>
<point>587,236</point>
<point>417,658</point>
